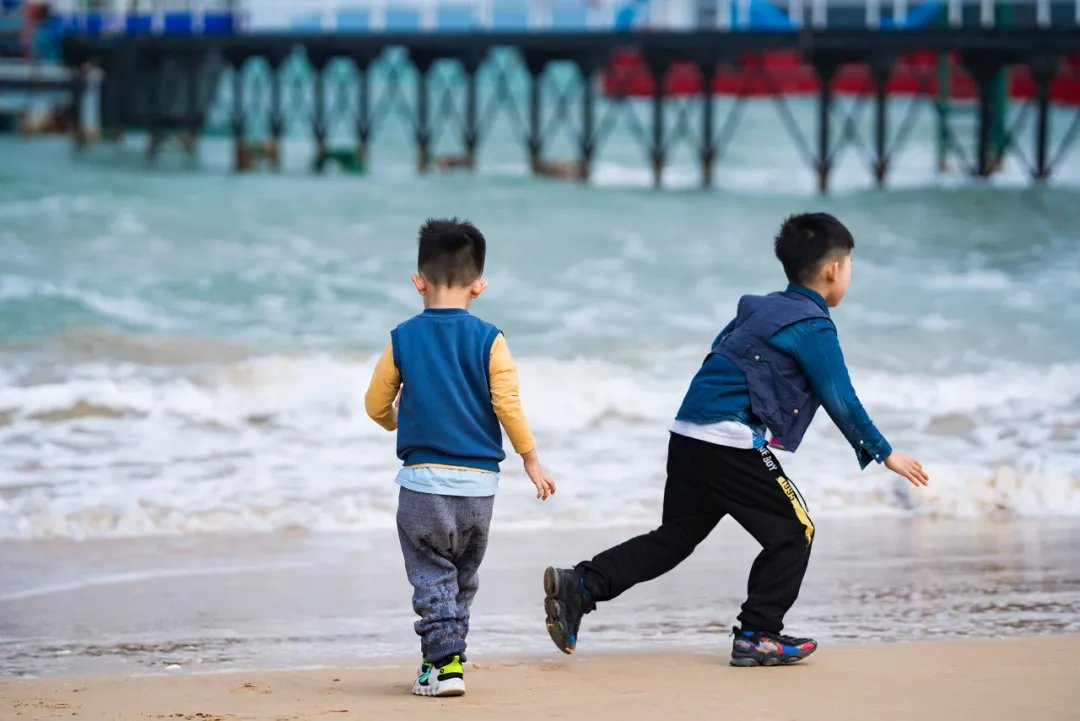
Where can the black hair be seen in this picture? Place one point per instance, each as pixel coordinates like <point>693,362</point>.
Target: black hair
<point>807,240</point>
<point>451,253</point>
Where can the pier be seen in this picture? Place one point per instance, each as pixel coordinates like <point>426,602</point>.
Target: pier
<point>448,85</point>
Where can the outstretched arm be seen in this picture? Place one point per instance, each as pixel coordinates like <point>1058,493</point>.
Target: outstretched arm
<point>818,352</point>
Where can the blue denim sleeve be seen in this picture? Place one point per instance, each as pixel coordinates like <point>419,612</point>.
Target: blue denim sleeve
<point>816,347</point>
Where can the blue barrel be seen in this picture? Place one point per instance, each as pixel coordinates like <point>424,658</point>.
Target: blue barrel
<point>218,24</point>
<point>138,24</point>
<point>94,23</point>
<point>178,23</point>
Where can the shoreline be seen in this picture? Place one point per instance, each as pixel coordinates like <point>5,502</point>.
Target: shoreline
<point>650,648</point>
<point>77,609</point>
<point>991,679</point>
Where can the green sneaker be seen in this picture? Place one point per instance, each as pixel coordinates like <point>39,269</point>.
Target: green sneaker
<point>446,680</point>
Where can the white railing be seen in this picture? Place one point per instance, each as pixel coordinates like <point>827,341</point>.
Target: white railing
<point>655,14</point>
<point>895,14</point>
<point>113,15</point>
<point>541,15</point>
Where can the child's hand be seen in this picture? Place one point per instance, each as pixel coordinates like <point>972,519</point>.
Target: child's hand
<point>545,487</point>
<point>906,466</point>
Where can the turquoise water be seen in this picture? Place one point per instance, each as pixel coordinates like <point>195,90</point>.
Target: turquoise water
<point>185,351</point>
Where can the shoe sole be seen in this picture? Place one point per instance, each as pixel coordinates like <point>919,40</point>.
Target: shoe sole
<point>446,689</point>
<point>748,661</point>
<point>556,613</point>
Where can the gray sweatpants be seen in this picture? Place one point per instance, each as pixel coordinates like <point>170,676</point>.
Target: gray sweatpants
<point>443,539</point>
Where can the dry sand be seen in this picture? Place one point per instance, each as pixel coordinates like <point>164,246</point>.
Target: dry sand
<point>995,680</point>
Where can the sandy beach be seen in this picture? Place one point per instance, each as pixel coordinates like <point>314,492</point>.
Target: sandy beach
<point>189,630</point>
<point>994,680</point>
<point>205,604</point>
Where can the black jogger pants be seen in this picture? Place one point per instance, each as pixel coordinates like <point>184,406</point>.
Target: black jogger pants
<point>705,482</point>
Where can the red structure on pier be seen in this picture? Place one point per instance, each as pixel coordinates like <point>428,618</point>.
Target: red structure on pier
<point>786,73</point>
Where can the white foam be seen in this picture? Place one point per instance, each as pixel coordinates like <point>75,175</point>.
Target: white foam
<point>276,443</point>
<point>1011,389</point>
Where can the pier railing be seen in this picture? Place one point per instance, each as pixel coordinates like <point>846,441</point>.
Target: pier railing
<point>185,17</point>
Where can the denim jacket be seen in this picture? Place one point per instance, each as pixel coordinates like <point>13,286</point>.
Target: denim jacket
<point>720,392</point>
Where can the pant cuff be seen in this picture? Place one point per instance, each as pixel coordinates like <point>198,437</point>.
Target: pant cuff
<point>596,587</point>
<point>752,624</point>
<point>437,654</point>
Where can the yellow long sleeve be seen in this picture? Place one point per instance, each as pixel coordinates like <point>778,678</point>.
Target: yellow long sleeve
<point>505,399</point>
<point>383,391</point>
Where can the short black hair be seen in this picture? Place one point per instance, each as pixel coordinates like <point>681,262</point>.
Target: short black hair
<point>452,252</point>
<point>806,240</point>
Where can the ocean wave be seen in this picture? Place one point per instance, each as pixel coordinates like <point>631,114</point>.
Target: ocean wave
<point>280,443</point>
<point>49,205</point>
<point>561,394</point>
<point>96,344</point>
<point>226,393</point>
<point>1008,388</point>
<point>37,303</point>
<point>1003,493</point>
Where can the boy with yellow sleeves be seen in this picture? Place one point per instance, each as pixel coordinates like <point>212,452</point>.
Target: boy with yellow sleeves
<point>457,384</point>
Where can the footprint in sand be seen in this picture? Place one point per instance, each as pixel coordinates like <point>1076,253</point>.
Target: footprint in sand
<point>43,703</point>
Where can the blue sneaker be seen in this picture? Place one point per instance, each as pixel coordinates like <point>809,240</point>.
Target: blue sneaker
<point>761,648</point>
<point>564,604</point>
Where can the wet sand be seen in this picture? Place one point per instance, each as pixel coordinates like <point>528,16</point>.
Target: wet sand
<point>1002,680</point>
<point>136,606</point>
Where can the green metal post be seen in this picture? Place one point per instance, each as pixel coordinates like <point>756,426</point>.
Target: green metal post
<point>1003,17</point>
<point>944,88</point>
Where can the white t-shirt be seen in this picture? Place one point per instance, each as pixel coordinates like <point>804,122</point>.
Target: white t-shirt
<point>725,433</point>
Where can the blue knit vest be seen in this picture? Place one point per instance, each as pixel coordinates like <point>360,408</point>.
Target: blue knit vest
<point>445,416</point>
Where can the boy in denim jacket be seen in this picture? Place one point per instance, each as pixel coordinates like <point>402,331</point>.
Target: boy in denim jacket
<point>767,373</point>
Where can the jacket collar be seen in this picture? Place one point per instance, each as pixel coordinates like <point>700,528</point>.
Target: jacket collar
<point>445,311</point>
<point>811,294</point>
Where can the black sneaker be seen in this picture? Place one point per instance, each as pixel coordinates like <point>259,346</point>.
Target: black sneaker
<point>761,648</point>
<point>565,605</point>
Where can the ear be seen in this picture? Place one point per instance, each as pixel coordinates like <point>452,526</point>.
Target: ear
<point>420,283</point>
<point>831,271</point>
<point>477,287</point>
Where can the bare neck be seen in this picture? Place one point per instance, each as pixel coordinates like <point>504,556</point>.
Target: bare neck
<point>447,297</point>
